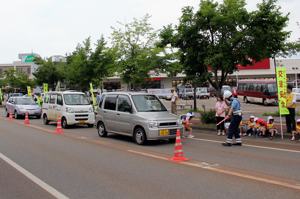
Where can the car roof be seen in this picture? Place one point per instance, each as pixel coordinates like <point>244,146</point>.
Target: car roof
<point>127,93</point>
<point>65,92</point>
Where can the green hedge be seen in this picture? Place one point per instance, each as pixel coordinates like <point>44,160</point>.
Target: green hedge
<point>208,117</point>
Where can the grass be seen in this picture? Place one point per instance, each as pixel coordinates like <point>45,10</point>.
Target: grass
<point>276,114</point>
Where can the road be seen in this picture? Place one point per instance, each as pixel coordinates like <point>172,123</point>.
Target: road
<point>79,164</point>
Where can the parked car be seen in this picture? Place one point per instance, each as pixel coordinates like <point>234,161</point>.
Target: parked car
<point>140,115</point>
<point>73,108</point>
<point>188,93</point>
<point>20,105</point>
<point>202,93</point>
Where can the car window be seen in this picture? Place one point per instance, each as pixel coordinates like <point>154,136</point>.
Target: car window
<point>124,104</point>
<point>46,98</point>
<point>110,102</point>
<point>59,100</point>
<point>148,103</point>
<point>52,99</point>
<point>101,101</point>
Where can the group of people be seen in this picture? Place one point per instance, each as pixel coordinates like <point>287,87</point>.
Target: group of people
<point>229,120</point>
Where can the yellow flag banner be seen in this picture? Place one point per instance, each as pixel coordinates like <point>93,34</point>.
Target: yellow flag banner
<point>281,90</point>
<point>92,94</point>
<point>45,87</point>
<point>29,91</point>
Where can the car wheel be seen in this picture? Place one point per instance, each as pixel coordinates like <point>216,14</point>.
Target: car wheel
<point>90,125</point>
<point>246,100</point>
<point>16,115</point>
<point>64,123</point>
<point>140,136</point>
<point>45,119</point>
<point>101,130</point>
<point>264,101</point>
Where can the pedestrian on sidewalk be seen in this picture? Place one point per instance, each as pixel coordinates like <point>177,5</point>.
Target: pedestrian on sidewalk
<point>220,109</point>
<point>174,98</point>
<point>235,114</point>
<point>291,105</point>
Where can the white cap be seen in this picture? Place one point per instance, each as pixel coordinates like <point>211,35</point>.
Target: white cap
<point>270,118</point>
<point>227,94</point>
<point>252,117</point>
<point>298,120</point>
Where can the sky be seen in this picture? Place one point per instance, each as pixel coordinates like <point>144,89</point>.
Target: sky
<point>55,27</point>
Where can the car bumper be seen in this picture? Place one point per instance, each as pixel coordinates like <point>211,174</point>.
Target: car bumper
<point>86,118</point>
<point>159,133</point>
<point>30,112</point>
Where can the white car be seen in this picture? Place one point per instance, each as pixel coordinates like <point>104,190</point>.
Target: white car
<point>202,92</point>
<point>72,107</point>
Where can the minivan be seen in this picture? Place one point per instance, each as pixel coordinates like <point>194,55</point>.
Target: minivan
<point>140,115</point>
<point>73,108</point>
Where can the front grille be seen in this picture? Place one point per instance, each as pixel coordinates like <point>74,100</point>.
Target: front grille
<point>81,115</point>
<point>173,131</point>
<point>81,111</point>
<point>167,124</point>
<point>81,119</point>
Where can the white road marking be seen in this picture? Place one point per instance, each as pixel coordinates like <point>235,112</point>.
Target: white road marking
<point>34,179</point>
<point>250,145</point>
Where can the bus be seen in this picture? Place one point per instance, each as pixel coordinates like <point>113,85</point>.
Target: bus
<point>258,91</point>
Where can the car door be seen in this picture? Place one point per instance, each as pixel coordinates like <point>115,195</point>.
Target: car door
<point>52,107</point>
<point>124,114</point>
<point>59,106</point>
<point>9,105</point>
<point>109,113</point>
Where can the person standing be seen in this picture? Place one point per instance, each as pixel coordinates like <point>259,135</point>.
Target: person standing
<point>235,114</point>
<point>220,109</point>
<point>174,98</point>
<point>291,106</point>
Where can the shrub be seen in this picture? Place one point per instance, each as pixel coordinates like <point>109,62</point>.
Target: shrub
<point>208,117</point>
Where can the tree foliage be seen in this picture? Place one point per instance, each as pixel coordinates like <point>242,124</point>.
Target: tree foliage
<point>16,79</point>
<point>134,45</point>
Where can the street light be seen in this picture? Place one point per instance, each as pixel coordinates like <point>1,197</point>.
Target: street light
<point>296,75</point>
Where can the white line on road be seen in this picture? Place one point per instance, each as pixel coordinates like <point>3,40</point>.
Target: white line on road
<point>250,145</point>
<point>33,178</point>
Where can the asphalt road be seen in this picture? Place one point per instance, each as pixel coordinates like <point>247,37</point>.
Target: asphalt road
<point>79,164</point>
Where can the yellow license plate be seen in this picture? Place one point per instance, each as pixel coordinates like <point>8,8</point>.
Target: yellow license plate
<point>164,132</point>
<point>82,121</point>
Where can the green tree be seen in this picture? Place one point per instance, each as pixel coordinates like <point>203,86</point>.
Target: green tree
<point>218,37</point>
<point>134,44</point>
<point>48,72</point>
<point>17,79</point>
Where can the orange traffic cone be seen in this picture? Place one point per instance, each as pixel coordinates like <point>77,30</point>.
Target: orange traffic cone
<point>10,116</point>
<point>59,130</point>
<point>26,121</point>
<point>178,151</point>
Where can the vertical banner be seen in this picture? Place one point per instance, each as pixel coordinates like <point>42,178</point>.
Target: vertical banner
<point>1,99</point>
<point>281,89</point>
<point>45,87</point>
<point>92,94</point>
<point>29,91</point>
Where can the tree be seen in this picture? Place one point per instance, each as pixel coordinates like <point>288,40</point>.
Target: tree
<point>134,44</point>
<point>16,79</point>
<point>218,37</point>
<point>48,72</point>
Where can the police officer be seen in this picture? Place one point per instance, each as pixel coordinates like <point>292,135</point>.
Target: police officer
<point>235,114</point>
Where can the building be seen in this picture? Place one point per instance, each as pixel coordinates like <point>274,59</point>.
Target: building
<point>25,65</point>
<point>262,69</point>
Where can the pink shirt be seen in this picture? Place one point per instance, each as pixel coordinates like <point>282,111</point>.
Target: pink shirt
<point>220,108</point>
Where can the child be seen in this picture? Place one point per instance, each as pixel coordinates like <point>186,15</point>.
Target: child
<point>249,127</point>
<point>187,125</point>
<point>297,132</point>
<point>271,129</point>
<point>261,126</point>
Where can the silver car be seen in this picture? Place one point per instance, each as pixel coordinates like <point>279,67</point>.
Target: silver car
<point>20,105</point>
<point>140,115</point>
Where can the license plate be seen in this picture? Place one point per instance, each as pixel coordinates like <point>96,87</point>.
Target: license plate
<point>82,121</point>
<point>164,132</point>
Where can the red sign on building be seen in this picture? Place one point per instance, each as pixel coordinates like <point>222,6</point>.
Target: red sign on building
<point>263,64</point>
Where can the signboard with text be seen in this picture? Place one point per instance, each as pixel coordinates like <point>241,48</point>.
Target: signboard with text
<point>282,90</point>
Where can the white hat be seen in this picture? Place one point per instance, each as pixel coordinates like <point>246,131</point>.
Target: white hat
<point>298,120</point>
<point>227,94</point>
<point>252,117</point>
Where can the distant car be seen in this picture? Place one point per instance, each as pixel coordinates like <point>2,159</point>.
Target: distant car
<point>202,93</point>
<point>20,105</point>
<point>297,93</point>
<point>14,95</point>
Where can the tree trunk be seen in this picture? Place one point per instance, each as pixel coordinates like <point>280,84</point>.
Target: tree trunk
<point>195,98</point>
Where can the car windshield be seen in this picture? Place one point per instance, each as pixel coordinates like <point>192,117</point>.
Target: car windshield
<point>76,99</point>
<point>148,103</point>
<point>24,101</point>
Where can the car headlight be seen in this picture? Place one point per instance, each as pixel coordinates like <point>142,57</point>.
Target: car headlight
<point>153,124</point>
<point>179,122</point>
<point>91,110</point>
<point>69,110</point>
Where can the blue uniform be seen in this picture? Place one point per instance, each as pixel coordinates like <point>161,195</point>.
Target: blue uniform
<point>236,119</point>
